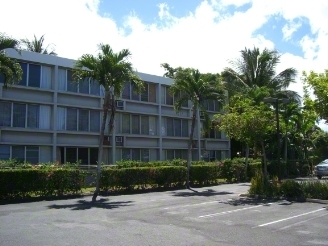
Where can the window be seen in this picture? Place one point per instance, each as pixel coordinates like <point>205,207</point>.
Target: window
<point>34,75</point>
<point>5,114</point>
<point>19,115</point>
<point>84,155</point>
<point>135,154</point>
<point>18,153</point>
<point>83,120</point>
<point>32,116</point>
<point>4,152</point>
<point>212,105</point>
<point>126,91</point>
<point>211,155</point>
<point>176,127</point>
<point>152,92</point>
<point>32,154</point>
<point>71,85</point>
<point>144,93</point>
<point>84,86</point>
<point>135,124</point>
<point>2,78</point>
<point>71,119</point>
<point>147,95</point>
<point>167,99</point>
<point>71,122</point>
<point>71,155</point>
<point>213,133</point>
<point>94,121</point>
<point>144,125</point>
<point>28,154</point>
<point>94,88</point>
<point>24,76</point>
<point>171,154</point>
<point>125,123</point>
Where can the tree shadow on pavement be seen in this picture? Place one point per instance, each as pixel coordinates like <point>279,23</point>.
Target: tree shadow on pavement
<point>192,192</point>
<point>249,201</point>
<point>83,205</point>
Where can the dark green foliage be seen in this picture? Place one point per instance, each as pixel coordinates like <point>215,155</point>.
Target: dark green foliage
<point>315,190</point>
<point>129,178</point>
<point>21,183</point>
<point>204,174</point>
<point>291,189</point>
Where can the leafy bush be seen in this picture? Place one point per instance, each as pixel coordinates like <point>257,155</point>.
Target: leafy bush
<point>316,189</point>
<point>262,186</point>
<point>21,183</point>
<point>204,174</point>
<point>291,189</point>
<point>129,178</point>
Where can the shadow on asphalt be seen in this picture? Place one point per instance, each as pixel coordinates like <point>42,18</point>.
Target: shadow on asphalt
<point>192,192</point>
<point>83,205</point>
<point>249,201</point>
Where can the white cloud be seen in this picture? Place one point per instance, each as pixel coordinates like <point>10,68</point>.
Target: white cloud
<point>205,38</point>
<point>289,29</point>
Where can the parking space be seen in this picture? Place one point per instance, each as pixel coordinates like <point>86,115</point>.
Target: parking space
<point>208,216</point>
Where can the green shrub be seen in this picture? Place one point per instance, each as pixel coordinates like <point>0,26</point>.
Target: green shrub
<point>21,183</point>
<point>315,189</point>
<point>204,174</point>
<point>129,178</point>
<point>291,189</point>
<point>263,186</point>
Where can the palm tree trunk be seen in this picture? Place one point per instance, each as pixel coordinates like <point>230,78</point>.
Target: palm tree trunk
<point>193,122</point>
<point>246,160</point>
<point>285,155</point>
<point>265,170</point>
<point>111,123</point>
<point>101,144</point>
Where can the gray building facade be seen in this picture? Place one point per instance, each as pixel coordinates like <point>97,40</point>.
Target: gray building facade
<point>47,118</point>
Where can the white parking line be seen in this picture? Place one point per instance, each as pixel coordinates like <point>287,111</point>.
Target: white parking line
<point>232,211</point>
<point>190,205</point>
<point>303,221</point>
<point>289,218</point>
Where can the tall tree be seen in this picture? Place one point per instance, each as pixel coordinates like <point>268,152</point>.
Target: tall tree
<point>111,71</point>
<point>248,122</point>
<point>37,45</point>
<point>196,88</point>
<point>256,69</point>
<point>10,70</point>
<point>318,82</point>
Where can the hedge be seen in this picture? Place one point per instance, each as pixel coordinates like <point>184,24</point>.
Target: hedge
<point>128,178</point>
<point>22,183</point>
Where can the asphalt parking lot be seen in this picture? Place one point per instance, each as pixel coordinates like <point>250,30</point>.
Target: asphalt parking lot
<point>209,216</point>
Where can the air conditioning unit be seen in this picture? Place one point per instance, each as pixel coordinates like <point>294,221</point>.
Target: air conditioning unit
<point>120,104</point>
<point>119,139</point>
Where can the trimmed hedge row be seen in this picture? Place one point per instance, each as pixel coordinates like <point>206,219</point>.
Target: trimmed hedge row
<point>22,183</point>
<point>129,178</point>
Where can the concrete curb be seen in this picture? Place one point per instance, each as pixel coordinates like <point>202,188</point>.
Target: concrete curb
<point>317,201</point>
<point>306,200</point>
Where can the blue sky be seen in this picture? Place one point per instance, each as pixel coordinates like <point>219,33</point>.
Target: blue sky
<point>204,34</point>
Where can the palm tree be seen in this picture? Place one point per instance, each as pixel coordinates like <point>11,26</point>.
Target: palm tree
<point>10,70</point>
<point>197,88</point>
<point>110,70</point>
<point>257,69</point>
<point>37,45</point>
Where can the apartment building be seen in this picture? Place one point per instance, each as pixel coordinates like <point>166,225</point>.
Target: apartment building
<point>46,117</point>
